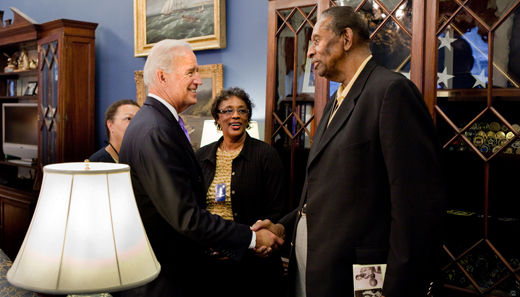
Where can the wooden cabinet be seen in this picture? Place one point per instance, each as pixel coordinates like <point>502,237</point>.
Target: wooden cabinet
<point>54,73</point>
<point>16,208</point>
<point>66,75</point>
<point>463,56</point>
<point>472,83</point>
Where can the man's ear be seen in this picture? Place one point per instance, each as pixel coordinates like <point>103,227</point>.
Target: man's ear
<point>347,36</point>
<point>160,76</point>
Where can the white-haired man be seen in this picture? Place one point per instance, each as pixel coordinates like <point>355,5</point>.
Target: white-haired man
<point>167,179</point>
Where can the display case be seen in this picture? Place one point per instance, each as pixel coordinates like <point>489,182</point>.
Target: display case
<point>464,58</point>
<point>47,97</point>
<point>474,87</point>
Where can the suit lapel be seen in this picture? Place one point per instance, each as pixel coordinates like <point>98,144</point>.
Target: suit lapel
<point>325,134</point>
<point>175,126</point>
<point>321,128</point>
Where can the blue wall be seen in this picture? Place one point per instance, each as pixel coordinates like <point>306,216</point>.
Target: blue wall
<point>244,58</point>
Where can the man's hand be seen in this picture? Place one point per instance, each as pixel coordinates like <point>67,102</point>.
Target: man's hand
<point>275,234</point>
<point>266,238</point>
<point>277,229</point>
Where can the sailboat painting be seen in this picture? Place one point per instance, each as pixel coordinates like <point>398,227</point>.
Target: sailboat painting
<point>170,6</point>
<point>179,19</point>
<point>202,23</point>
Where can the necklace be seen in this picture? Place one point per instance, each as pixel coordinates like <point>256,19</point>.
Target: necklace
<point>224,147</point>
<point>117,153</point>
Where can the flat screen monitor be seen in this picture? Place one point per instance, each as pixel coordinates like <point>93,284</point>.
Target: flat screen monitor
<point>20,130</point>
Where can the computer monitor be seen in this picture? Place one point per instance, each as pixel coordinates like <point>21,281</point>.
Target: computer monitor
<point>20,130</point>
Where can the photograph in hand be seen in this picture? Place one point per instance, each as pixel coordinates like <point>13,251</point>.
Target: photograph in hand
<point>368,280</point>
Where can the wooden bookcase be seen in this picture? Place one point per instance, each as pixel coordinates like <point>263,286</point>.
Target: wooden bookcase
<point>62,62</point>
<point>480,257</point>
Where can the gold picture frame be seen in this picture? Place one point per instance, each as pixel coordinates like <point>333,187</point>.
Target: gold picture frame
<point>155,20</point>
<point>212,76</point>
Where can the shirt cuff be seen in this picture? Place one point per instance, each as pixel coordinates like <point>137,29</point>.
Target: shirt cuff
<point>252,245</point>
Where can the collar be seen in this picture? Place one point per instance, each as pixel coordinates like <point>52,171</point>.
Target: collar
<point>168,105</point>
<point>211,153</point>
<point>343,90</point>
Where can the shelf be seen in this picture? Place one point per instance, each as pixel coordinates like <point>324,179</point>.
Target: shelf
<point>472,214</point>
<point>16,74</point>
<point>32,166</point>
<point>300,98</point>
<point>478,94</point>
<point>469,154</point>
<point>28,98</point>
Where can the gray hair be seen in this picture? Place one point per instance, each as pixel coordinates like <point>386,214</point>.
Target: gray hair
<point>161,57</point>
<point>342,17</point>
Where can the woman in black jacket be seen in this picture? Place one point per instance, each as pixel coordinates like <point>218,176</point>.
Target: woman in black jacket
<point>244,182</point>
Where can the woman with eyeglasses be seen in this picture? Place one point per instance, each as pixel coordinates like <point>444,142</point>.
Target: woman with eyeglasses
<point>244,182</point>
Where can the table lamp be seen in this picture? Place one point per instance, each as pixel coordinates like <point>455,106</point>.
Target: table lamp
<point>86,235</point>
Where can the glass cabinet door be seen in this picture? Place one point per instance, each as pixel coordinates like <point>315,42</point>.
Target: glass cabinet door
<point>291,93</point>
<point>294,94</point>
<point>49,101</point>
<point>390,24</point>
<point>477,114</point>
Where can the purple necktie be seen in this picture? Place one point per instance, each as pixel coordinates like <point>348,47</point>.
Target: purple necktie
<point>181,122</point>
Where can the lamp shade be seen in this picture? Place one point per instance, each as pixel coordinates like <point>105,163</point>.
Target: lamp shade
<point>86,235</point>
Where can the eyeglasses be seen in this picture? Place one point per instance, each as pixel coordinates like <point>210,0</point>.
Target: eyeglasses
<point>230,111</point>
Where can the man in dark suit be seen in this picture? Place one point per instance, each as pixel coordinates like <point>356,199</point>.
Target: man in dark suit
<point>167,180</point>
<point>373,192</point>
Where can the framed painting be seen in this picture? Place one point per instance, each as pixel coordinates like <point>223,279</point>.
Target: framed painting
<point>202,23</point>
<point>31,89</point>
<point>212,76</point>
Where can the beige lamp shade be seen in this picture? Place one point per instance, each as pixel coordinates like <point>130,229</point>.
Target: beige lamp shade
<point>86,235</point>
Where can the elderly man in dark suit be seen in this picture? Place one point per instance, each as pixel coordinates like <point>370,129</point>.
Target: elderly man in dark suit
<point>373,192</point>
<point>167,180</point>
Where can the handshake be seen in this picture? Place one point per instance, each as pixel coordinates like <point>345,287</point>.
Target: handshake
<point>269,237</point>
